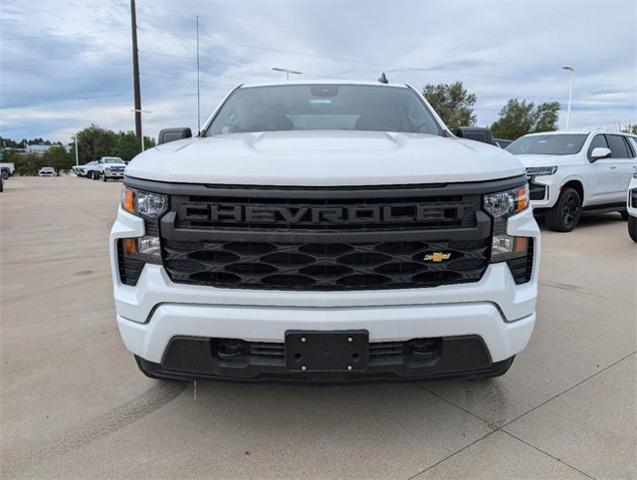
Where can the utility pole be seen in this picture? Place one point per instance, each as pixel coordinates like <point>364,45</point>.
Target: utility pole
<point>136,87</point>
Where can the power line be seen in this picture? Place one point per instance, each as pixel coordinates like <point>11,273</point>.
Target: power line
<point>365,62</point>
<point>50,59</point>
<point>67,35</point>
<point>58,80</point>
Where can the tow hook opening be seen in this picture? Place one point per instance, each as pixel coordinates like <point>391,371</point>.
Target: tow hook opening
<point>229,349</point>
<point>423,350</point>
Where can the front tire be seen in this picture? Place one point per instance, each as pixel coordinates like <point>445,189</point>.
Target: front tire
<point>5,174</point>
<point>104,179</point>
<point>565,215</point>
<point>632,228</point>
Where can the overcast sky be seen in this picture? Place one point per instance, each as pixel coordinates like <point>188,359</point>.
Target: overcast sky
<point>67,64</point>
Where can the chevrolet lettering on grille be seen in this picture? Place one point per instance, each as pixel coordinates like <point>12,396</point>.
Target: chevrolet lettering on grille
<point>315,215</point>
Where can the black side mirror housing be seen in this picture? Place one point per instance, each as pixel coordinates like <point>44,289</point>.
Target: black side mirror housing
<point>480,134</point>
<point>171,134</point>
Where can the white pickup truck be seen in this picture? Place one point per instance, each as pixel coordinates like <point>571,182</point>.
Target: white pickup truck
<point>324,231</point>
<point>573,172</point>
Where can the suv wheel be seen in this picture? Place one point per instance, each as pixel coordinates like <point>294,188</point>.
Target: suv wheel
<point>5,174</point>
<point>563,217</point>
<point>632,228</point>
<point>104,179</point>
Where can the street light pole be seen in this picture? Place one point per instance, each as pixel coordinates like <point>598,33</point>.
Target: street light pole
<point>570,94</point>
<point>139,112</point>
<point>77,157</point>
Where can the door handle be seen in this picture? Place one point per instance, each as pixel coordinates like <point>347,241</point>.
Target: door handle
<point>613,167</point>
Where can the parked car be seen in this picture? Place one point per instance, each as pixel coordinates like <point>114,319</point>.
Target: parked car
<point>574,172</point>
<point>501,142</point>
<point>47,172</point>
<point>109,168</point>
<point>631,207</point>
<point>324,232</point>
<point>82,170</point>
<point>6,170</point>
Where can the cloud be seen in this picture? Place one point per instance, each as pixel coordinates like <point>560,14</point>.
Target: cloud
<point>67,64</point>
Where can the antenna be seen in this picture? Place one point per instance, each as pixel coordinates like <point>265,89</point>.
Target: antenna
<point>198,100</point>
<point>383,78</point>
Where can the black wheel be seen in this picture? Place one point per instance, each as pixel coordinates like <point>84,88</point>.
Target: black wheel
<point>1,184</point>
<point>624,215</point>
<point>104,179</point>
<point>5,174</point>
<point>563,217</point>
<point>632,228</point>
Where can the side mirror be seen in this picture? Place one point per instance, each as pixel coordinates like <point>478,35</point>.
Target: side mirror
<point>476,133</point>
<point>171,134</point>
<point>600,152</point>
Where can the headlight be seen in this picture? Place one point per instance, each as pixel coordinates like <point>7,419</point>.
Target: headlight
<point>108,169</point>
<point>501,205</point>
<point>541,171</point>
<point>144,204</point>
<point>508,202</point>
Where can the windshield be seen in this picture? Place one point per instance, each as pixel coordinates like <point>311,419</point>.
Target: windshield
<point>561,144</point>
<point>113,160</point>
<point>324,107</point>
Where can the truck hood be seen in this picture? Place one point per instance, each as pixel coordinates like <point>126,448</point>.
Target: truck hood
<point>324,158</point>
<point>546,160</point>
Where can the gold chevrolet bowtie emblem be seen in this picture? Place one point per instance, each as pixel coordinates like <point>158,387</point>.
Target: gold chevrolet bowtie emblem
<point>437,257</point>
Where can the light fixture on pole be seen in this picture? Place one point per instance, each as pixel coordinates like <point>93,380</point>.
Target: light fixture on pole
<point>570,94</point>
<point>140,111</point>
<point>287,72</point>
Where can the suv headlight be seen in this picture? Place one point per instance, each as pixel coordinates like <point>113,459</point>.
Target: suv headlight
<point>508,202</point>
<point>144,204</point>
<point>501,205</point>
<point>541,171</point>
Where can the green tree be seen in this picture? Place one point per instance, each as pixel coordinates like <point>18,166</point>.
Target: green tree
<point>453,103</point>
<point>95,142</point>
<point>518,118</point>
<point>58,158</point>
<point>127,145</point>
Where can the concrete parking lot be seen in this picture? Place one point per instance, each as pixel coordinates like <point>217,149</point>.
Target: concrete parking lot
<point>74,405</point>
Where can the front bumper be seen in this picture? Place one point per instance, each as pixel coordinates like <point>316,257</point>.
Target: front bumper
<point>495,309</point>
<point>111,174</point>
<point>550,185</point>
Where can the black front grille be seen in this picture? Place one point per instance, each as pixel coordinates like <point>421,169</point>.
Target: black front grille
<point>434,211</point>
<point>332,238</point>
<point>325,266</point>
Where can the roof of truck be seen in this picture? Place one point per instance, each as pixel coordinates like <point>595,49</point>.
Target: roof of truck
<point>323,82</point>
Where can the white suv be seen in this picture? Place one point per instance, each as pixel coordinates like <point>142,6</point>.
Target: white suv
<point>331,231</point>
<point>570,173</point>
